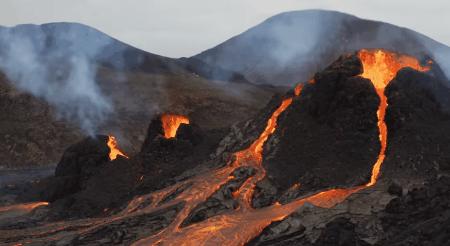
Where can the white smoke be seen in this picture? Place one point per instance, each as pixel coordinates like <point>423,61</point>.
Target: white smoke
<point>58,68</point>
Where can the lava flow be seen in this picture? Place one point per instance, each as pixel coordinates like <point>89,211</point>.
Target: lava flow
<point>229,228</point>
<point>380,67</point>
<point>114,150</point>
<point>238,226</point>
<point>171,122</point>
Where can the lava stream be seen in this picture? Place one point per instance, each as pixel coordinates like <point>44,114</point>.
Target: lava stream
<point>380,67</point>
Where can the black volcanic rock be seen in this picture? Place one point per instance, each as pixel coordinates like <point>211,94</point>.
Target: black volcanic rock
<point>79,163</point>
<point>420,218</point>
<point>164,159</point>
<point>415,96</point>
<point>328,137</point>
<point>80,158</point>
<point>418,121</point>
<point>339,232</point>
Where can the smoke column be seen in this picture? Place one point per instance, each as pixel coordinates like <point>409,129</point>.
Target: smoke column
<point>56,63</point>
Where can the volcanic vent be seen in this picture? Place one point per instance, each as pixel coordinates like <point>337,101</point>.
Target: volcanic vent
<point>320,143</point>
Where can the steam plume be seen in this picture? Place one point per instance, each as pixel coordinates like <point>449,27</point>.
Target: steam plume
<point>57,65</point>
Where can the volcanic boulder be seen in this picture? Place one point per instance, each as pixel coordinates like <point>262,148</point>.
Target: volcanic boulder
<point>164,158</point>
<point>418,123</point>
<point>81,158</point>
<point>78,163</point>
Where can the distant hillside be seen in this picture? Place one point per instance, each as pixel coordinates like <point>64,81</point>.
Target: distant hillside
<point>62,81</point>
<point>77,39</point>
<point>292,46</point>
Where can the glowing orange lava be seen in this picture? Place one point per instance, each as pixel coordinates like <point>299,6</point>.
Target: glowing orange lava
<point>380,67</point>
<point>25,207</point>
<point>238,226</point>
<point>171,122</point>
<point>114,150</point>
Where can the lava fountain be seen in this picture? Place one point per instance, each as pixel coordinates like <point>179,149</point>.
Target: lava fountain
<point>171,123</point>
<point>114,150</point>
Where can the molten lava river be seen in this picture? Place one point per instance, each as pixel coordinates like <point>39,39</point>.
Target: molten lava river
<point>236,227</point>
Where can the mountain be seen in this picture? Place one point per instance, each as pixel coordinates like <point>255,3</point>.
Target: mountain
<point>292,46</point>
<point>78,39</point>
<point>65,81</point>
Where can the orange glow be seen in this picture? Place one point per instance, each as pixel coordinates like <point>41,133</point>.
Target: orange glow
<point>171,122</point>
<point>256,147</point>
<point>114,150</point>
<point>298,89</point>
<point>25,207</point>
<point>381,67</point>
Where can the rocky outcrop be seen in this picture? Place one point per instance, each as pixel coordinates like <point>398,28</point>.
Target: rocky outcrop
<point>164,159</point>
<point>418,217</point>
<point>328,137</point>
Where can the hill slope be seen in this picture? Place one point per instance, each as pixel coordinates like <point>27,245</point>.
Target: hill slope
<point>292,46</point>
<point>62,81</point>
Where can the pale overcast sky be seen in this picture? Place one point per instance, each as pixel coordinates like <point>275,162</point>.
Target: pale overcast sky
<point>185,27</point>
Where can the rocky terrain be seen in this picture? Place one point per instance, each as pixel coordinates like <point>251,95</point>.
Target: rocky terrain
<point>137,84</point>
<point>310,187</point>
<point>32,134</point>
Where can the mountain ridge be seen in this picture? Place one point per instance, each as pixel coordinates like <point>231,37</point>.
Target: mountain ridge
<point>265,46</point>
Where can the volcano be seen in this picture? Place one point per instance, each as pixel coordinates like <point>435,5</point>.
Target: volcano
<point>293,46</point>
<point>356,155</point>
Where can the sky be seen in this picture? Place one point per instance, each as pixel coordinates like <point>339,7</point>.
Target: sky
<point>178,28</point>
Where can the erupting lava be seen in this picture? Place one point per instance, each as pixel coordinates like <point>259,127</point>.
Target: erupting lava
<point>114,150</point>
<point>171,122</point>
<point>380,67</point>
<point>238,226</point>
<point>25,207</point>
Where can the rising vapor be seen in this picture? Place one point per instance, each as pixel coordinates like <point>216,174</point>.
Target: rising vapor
<point>57,65</point>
